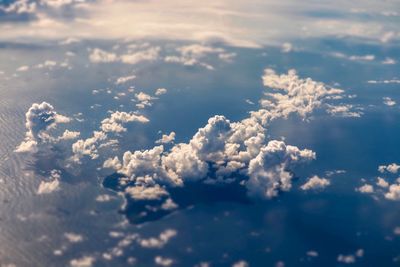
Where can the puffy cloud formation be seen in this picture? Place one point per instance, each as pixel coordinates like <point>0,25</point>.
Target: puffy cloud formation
<point>392,168</point>
<point>384,188</point>
<point>268,171</point>
<point>296,95</point>
<point>394,192</point>
<point>115,121</point>
<point>40,119</point>
<point>69,135</point>
<point>47,187</point>
<point>114,124</point>
<point>159,242</point>
<point>351,258</point>
<point>165,262</point>
<point>166,138</point>
<point>240,263</point>
<point>315,182</point>
<point>87,147</point>
<point>389,101</point>
<point>382,182</point>
<point>366,189</point>
<point>144,100</point>
<point>220,152</point>
<point>73,237</point>
<point>161,91</point>
<point>225,152</point>
<point>85,261</point>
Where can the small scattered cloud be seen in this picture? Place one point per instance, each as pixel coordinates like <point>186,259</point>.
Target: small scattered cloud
<point>366,189</point>
<point>125,79</point>
<point>388,101</point>
<point>158,242</point>
<point>315,182</point>
<point>85,261</point>
<point>166,138</point>
<point>163,261</point>
<point>47,187</point>
<point>73,237</point>
<point>160,91</point>
<point>391,168</point>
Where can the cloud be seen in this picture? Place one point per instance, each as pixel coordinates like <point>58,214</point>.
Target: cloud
<point>293,94</point>
<point>389,61</point>
<point>47,187</point>
<point>392,168</point>
<point>85,261</point>
<point>158,242</point>
<point>192,55</point>
<point>144,100</point>
<point>351,258</point>
<point>366,189</point>
<point>238,24</point>
<point>394,192</point>
<point>240,263</point>
<point>225,153</point>
<point>19,7</point>
<point>124,79</point>
<point>382,182</point>
<point>23,68</point>
<point>344,111</point>
<point>166,138</point>
<point>217,148</point>
<point>346,259</point>
<point>149,54</point>
<point>98,55</point>
<point>141,192</point>
<point>368,57</point>
<point>312,253</point>
<point>268,170</point>
<point>73,237</point>
<point>159,260</point>
<point>115,122</point>
<point>87,147</point>
<point>160,91</point>
<point>392,81</point>
<point>315,182</point>
<point>388,101</point>
<point>103,198</point>
<point>286,47</point>
<point>69,135</point>
<point>40,119</point>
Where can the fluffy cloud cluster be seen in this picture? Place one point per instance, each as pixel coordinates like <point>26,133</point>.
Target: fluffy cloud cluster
<point>230,152</point>
<point>40,119</point>
<point>157,242</point>
<point>220,152</point>
<point>384,187</point>
<point>47,187</point>
<point>302,96</point>
<point>392,168</point>
<point>115,122</point>
<point>166,138</point>
<point>315,182</point>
